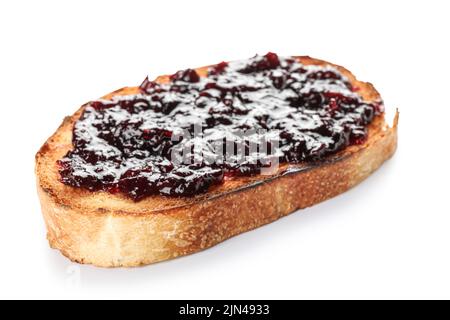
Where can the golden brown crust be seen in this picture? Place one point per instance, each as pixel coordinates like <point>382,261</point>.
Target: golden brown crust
<point>112,231</point>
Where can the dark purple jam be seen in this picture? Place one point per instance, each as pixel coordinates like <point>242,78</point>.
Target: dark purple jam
<point>129,144</point>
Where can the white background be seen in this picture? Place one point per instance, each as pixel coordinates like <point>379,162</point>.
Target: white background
<point>387,238</point>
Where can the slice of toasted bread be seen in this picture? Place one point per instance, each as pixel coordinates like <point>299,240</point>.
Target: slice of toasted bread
<point>111,230</point>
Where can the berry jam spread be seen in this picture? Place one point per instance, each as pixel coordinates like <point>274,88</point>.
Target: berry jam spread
<point>130,143</point>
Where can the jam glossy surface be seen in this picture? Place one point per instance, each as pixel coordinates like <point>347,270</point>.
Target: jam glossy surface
<point>127,144</point>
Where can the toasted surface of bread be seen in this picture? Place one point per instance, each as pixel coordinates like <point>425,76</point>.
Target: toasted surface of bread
<point>111,230</point>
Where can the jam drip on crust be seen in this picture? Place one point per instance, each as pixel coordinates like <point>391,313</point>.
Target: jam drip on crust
<point>132,144</point>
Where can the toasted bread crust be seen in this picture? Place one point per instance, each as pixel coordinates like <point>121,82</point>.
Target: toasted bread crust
<point>113,231</point>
